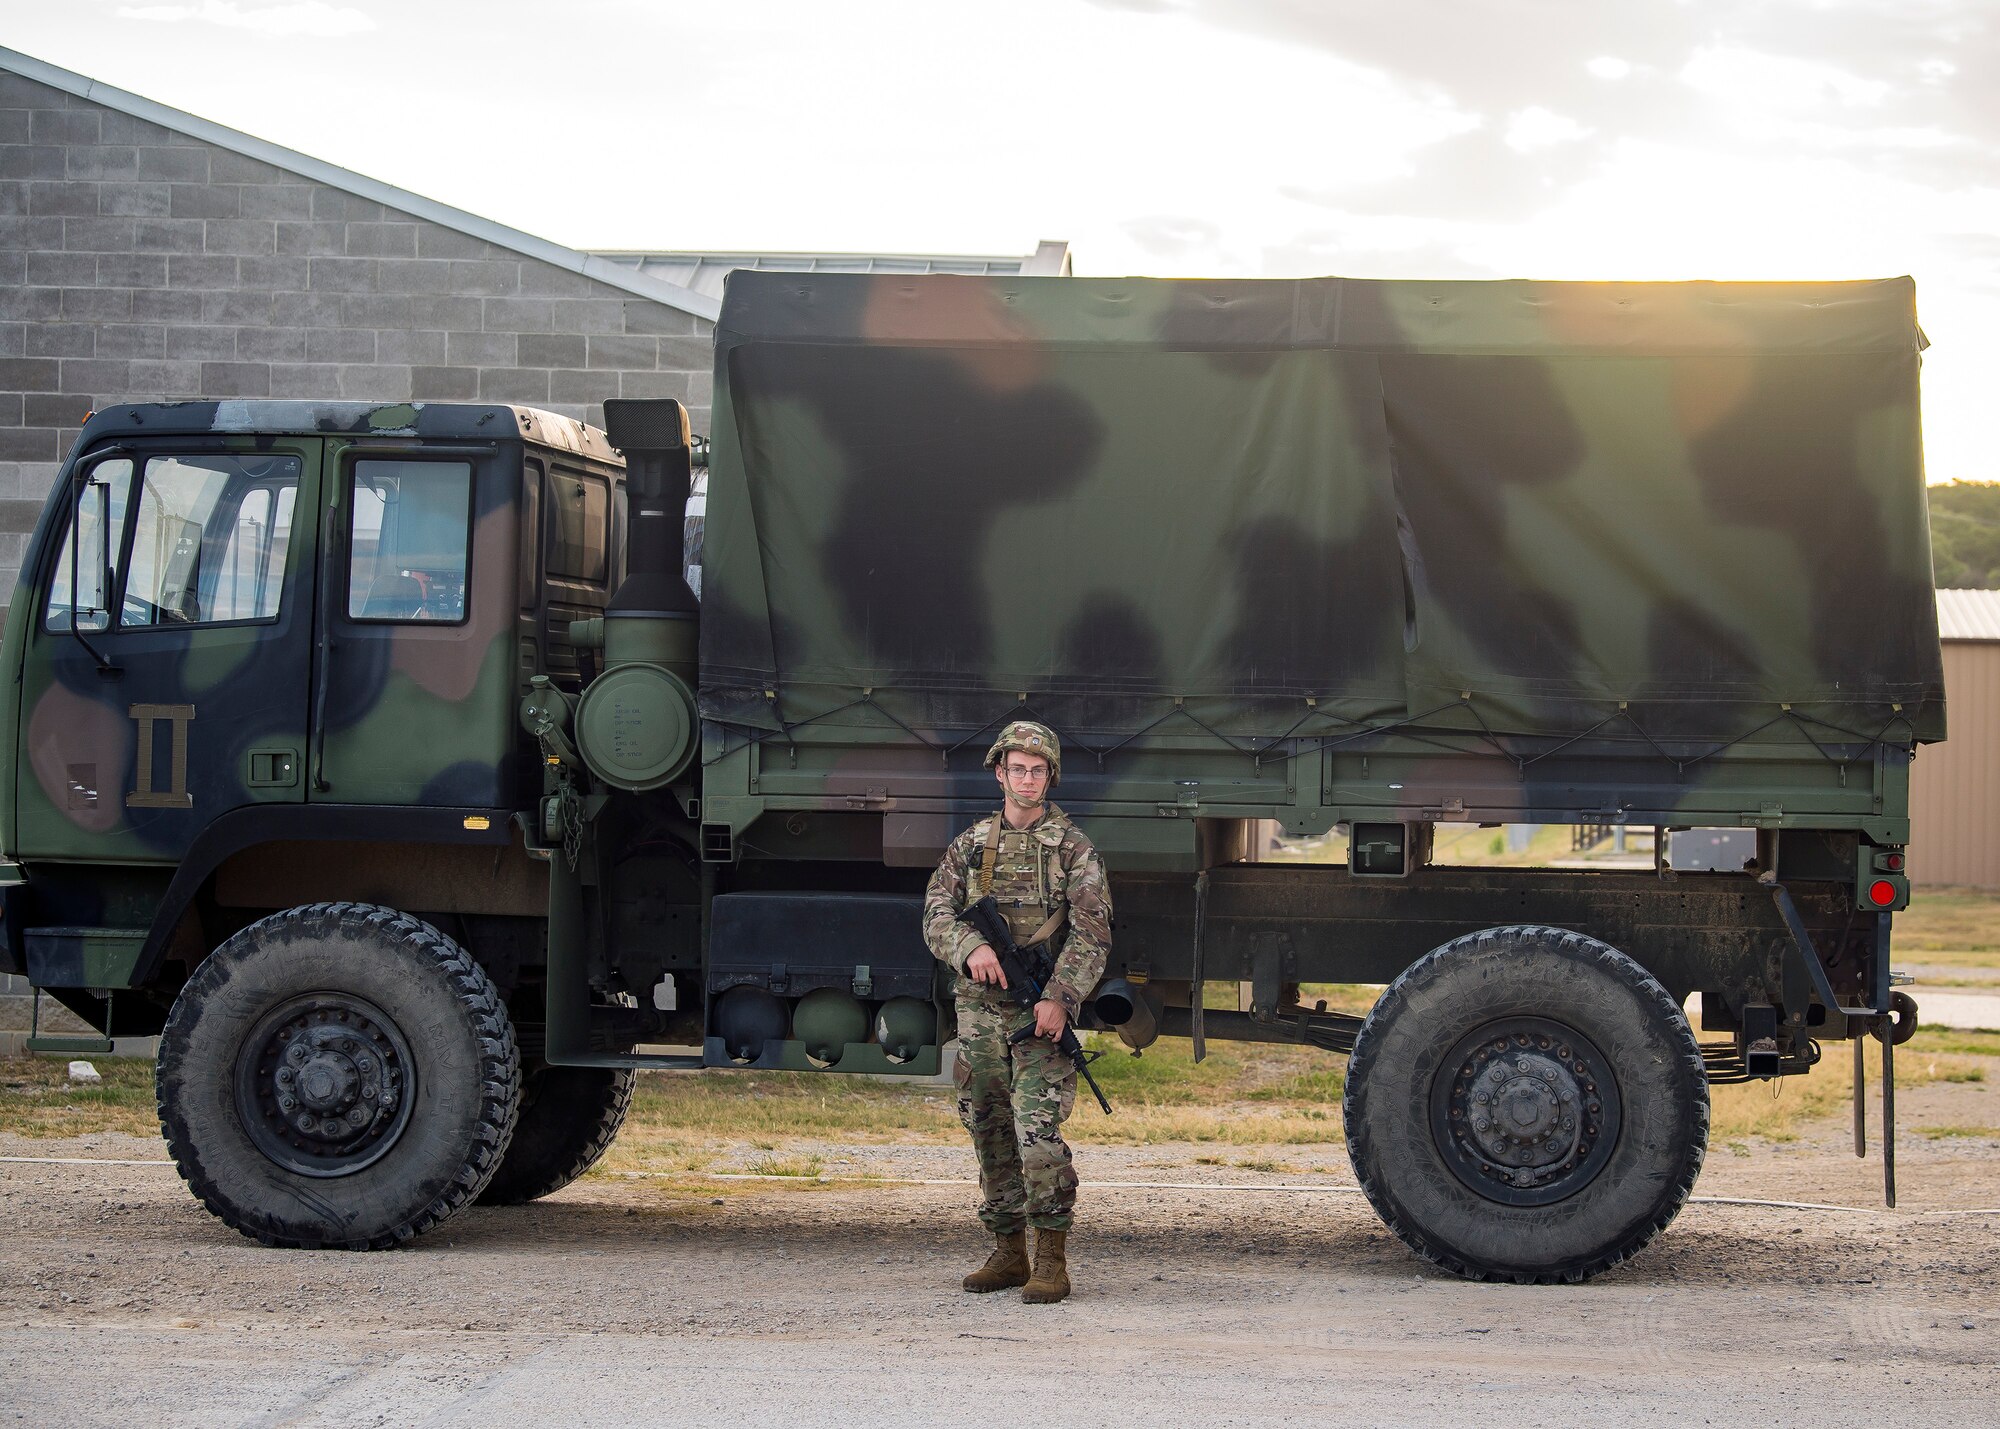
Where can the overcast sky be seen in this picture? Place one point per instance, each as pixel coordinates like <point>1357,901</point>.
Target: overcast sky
<point>1257,138</point>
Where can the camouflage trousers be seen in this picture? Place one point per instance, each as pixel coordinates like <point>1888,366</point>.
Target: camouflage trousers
<point>1014,1101</point>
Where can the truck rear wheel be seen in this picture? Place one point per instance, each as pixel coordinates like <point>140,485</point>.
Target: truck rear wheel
<point>569,1118</point>
<point>1526,1104</point>
<point>338,1074</point>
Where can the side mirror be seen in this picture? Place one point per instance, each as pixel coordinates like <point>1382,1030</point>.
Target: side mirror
<point>88,483</point>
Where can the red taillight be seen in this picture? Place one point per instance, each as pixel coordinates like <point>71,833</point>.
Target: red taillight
<point>1894,863</point>
<point>1882,893</point>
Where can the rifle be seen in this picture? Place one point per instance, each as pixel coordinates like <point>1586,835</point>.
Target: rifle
<point>1024,988</point>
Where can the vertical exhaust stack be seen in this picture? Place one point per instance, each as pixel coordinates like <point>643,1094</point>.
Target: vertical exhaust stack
<point>653,616</point>
<point>659,476</point>
<point>637,727</point>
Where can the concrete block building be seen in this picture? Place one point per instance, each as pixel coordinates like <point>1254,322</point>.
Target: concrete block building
<point>150,255</point>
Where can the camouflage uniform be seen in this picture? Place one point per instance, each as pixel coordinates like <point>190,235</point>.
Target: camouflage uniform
<point>1014,1099</point>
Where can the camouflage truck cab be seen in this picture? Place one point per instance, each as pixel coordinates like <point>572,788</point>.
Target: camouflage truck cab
<point>385,762</point>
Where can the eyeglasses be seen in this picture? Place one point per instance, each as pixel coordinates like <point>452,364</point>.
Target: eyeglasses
<point>1026,773</point>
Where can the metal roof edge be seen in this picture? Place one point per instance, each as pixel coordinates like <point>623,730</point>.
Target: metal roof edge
<point>320,171</point>
<point>1050,256</point>
<point>1968,614</point>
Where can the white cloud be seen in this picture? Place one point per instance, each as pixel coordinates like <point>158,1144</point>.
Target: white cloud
<point>1536,128</point>
<point>1608,67</point>
<point>1751,78</point>
<point>304,17</point>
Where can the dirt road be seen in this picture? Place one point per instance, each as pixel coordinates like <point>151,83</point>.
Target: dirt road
<point>719,1303</point>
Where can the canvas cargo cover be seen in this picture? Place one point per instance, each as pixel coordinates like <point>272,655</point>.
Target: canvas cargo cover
<point>1696,502</point>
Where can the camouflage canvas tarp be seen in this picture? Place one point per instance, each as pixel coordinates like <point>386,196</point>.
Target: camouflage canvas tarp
<point>1702,501</point>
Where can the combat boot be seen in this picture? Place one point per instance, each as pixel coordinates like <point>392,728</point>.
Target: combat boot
<point>1005,1268</point>
<point>1050,1282</point>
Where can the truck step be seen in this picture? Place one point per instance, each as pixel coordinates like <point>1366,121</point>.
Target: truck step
<point>66,1042</point>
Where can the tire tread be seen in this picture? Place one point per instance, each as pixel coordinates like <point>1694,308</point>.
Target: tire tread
<point>1564,942</point>
<point>607,1118</point>
<point>478,999</point>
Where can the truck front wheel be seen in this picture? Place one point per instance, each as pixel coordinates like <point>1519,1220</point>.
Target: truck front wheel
<point>569,1118</point>
<point>338,1074</point>
<point>1526,1104</point>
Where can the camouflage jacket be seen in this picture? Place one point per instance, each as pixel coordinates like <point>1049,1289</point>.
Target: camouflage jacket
<point>1075,879</point>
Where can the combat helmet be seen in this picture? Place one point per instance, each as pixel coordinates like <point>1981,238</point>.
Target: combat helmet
<point>1024,736</point>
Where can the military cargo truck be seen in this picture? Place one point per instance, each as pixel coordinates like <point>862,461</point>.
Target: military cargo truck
<point>381,761</point>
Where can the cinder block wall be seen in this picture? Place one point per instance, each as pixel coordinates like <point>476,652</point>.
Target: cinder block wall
<point>138,264</point>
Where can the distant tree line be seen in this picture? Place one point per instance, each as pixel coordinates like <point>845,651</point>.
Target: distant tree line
<point>1965,535</point>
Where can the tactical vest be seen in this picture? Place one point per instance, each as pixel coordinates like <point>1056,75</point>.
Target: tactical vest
<point>1014,868</point>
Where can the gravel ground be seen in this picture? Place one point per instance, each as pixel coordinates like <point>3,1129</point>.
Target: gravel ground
<point>666,1300</point>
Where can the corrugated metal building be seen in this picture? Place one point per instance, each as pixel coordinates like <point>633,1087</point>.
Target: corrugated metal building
<point>1955,786</point>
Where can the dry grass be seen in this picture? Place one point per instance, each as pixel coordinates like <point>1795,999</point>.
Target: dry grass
<point>1950,927</point>
<point>38,1099</point>
<point>1243,1094</point>
<point>1778,1110</point>
<point>801,1166</point>
<point>1945,1039</point>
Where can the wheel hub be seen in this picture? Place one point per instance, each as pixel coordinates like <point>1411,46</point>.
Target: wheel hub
<point>1525,1111</point>
<point>324,1083</point>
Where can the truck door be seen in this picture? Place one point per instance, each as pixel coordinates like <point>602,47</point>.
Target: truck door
<point>165,679</point>
<point>414,683</point>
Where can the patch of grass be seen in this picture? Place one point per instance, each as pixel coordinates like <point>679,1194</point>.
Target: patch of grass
<point>1775,1110</point>
<point>1243,1094</point>
<point>1231,1126</point>
<point>38,1099</point>
<point>1945,1039</point>
<point>1945,1133</point>
<point>1957,1070</point>
<point>1950,927</point>
<point>637,1150</point>
<point>1314,1088</point>
<point>769,1108</point>
<point>1350,997</point>
<point>1167,1074</point>
<point>786,1166</point>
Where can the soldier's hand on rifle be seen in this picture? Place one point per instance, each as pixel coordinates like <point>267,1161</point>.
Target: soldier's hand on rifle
<point>1049,1019</point>
<point>984,966</point>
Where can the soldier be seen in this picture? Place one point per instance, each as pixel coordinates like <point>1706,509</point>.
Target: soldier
<point>1050,885</point>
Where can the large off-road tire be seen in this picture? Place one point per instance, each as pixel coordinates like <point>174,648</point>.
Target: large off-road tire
<point>1526,1104</point>
<point>569,1118</point>
<point>338,1074</point>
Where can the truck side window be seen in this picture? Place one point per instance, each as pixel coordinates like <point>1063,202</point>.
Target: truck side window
<point>409,540</point>
<point>579,527</point>
<point>89,553</point>
<point>209,540</point>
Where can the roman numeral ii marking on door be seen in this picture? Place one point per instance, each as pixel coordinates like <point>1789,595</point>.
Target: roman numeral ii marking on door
<point>176,795</point>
